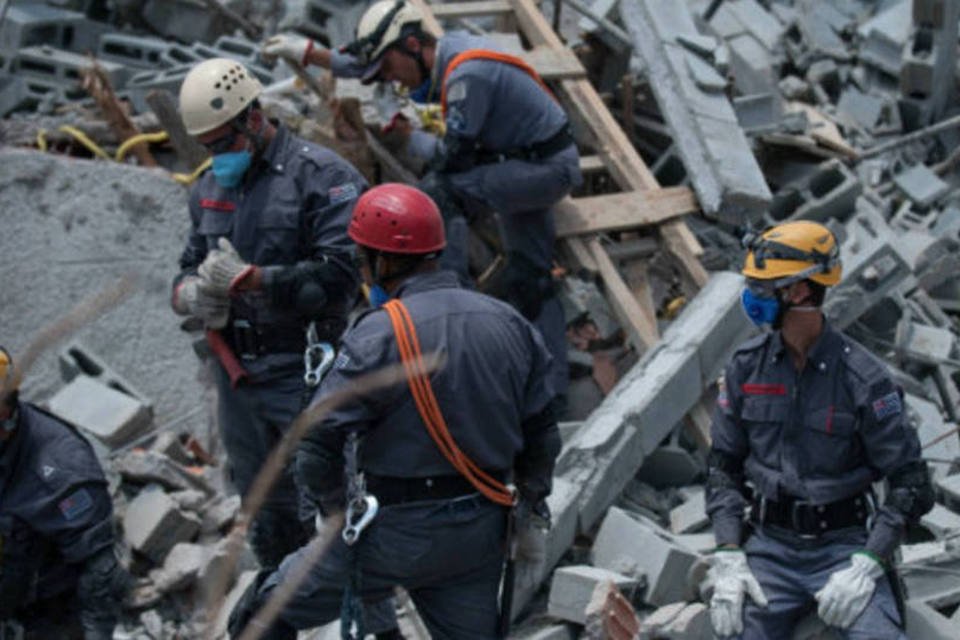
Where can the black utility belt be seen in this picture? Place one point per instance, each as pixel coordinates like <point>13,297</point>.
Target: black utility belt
<point>249,341</point>
<point>806,519</point>
<point>395,490</point>
<point>531,153</point>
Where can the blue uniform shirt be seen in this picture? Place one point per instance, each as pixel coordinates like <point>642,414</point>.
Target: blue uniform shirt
<point>821,434</point>
<point>55,511</point>
<point>495,376</point>
<point>291,210</point>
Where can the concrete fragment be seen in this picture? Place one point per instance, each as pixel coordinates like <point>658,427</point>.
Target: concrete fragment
<point>109,415</point>
<point>243,582</point>
<point>751,65</point>
<point>722,169</point>
<point>44,67</point>
<point>923,621</point>
<point>189,499</point>
<point>181,566</point>
<point>926,418</point>
<point>153,524</point>
<point>220,514</point>
<point>184,20</point>
<point>691,515</point>
<point>33,23</point>
<point>949,487</point>
<point>610,616</point>
<point>76,358</point>
<point>921,185</point>
<point>14,93</point>
<point>884,37</point>
<point>927,74</point>
<point>333,22</point>
<point>634,547</point>
<point>573,586</point>
<point>151,466</point>
<point>700,543</point>
<point>830,192</point>
<point>923,343</point>
<point>132,51</point>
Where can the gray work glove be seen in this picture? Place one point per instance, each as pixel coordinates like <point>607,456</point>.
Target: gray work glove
<point>732,581</point>
<point>224,270</point>
<point>286,45</point>
<point>194,297</point>
<point>847,592</point>
<point>532,525</point>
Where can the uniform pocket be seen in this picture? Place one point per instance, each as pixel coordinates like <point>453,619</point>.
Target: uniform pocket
<point>763,418</point>
<point>829,438</point>
<point>215,224</point>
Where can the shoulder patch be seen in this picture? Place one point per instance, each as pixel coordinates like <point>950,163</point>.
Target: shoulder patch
<point>888,405</point>
<point>342,193</point>
<point>457,91</point>
<point>455,119</point>
<point>76,504</point>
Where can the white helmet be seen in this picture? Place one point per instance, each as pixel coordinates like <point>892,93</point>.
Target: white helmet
<point>214,93</point>
<point>381,26</point>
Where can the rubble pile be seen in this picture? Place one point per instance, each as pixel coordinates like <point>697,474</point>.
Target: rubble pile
<point>841,112</point>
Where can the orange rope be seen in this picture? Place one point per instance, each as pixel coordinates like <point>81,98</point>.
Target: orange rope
<point>412,357</point>
<point>496,56</point>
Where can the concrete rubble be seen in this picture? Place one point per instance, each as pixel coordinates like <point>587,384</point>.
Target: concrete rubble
<point>768,110</point>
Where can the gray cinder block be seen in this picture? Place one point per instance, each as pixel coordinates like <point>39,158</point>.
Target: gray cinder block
<point>153,524</point>
<point>571,588</point>
<point>113,417</point>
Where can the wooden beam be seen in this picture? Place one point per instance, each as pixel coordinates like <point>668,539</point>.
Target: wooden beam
<point>591,164</point>
<point>454,10</point>
<point>631,315</point>
<point>554,64</point>
<point>617,211</point>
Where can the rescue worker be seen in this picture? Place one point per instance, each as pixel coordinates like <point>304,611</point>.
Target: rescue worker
<point>810,419</point>
<point>59,575</point>
<point>508,146</point>
<point>267,254</point>
<point>435,534</point>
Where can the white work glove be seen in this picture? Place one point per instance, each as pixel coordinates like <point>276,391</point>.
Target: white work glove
<point>196,298</point>
<point>848,591</point>
<point>532,525</point>
<point>223,269</point>
<point>287,45</point>
<point>732,579</point>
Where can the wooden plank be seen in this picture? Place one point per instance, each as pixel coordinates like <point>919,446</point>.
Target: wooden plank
<point>579,255</point>
<point>554,64</point>
<point>635,276</point>
<point>454,10</point>
<point>628,310</point>
<point>591,164</point>
<point>617,211</point>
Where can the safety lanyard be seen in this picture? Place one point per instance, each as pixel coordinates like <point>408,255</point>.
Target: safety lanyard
<point>496,56</point>
<point>422,392</point>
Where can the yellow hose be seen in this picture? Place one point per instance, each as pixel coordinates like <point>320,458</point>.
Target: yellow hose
<point>129,143</point>
<point>85,140</point>
<point>189,178</point>
<point>42,139</point>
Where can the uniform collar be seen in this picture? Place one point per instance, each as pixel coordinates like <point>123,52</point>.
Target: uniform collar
<point>441,279</point>
<point>275,155</point>
<point>826,347</point>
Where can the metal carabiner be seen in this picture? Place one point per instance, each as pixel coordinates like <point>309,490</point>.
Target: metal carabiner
<point>360,513</point>
<point>323,354</point>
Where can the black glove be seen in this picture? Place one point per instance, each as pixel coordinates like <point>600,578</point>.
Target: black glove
<point>102,586</point>
<point>247,607</point>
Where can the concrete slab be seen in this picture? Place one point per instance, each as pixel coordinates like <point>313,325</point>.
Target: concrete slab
<point>921,185</point>
<point>752,65</point>
<point>109,415</point>
<point>572,587</point>
<point>75,359</point>
<point>632,547</point>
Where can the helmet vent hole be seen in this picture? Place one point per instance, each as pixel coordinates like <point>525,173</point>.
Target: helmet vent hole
<point>227,87</point>
<point>216,86</point>
<point>225,77</point>
<point>217,103</point>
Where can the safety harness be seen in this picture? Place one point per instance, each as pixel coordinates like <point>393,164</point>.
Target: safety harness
<point>496,56</point>
<point>422,392</point>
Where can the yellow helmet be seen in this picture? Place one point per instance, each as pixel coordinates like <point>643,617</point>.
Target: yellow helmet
<point>794,251</point>
<point>5,364</point>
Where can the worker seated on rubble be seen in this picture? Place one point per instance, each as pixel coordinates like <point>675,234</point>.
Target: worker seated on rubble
<point>507,147</point>
<point>435,452</point>
<point>59,575</point>
<point>810,419</point>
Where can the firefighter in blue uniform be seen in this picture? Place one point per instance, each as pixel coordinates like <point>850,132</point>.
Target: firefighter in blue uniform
<point>507,147</point>
<point>435,533</point>
<point>810,419</point>
<point>59,575</point>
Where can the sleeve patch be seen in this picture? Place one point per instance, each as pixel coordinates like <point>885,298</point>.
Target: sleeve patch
<point>888,405</point>
<point>456,92</point>
<point>76,504</point>
<point>342,193</point>
<point>455,119</point>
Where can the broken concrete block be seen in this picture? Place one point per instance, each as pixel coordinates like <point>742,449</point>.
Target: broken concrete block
<point>29,24</point>
<point>109,415</point>
<point>572,588</point>
<point>699,543</point>
<point>189,499</point>
<point>219,515</point>
<point>332,22</point>
<point>184,20</point>
<point>949,487</point>
<point>923,343</point>
<point>691,515</point>
<point>136,52</point>
<point>751,65</point>
<point>884,37</point>
<point>60,70</point>
<point>631,547</point>
<point>151,466</point>
<point>926,418</point>
<point>181,566</point>
<point>921,185</point>
<point>144,82</point>
<point>610,616</point>
<point>830,192</point>
<point>14,93</point>
<point>76,359</point>
<point>923,621</point>
<point>927,75</point>
<point>153,524</point>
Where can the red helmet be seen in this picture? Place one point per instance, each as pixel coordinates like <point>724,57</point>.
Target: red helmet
<point>397,218</point>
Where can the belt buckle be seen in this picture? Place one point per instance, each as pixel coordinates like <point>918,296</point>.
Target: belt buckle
<point>795,521</point>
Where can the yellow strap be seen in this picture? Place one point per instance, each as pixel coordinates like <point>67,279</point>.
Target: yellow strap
<point>190,178</point>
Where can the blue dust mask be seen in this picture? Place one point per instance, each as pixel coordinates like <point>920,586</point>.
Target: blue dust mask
<point>228,168</point>
<point>760,309</point>
<point>378,296</point>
